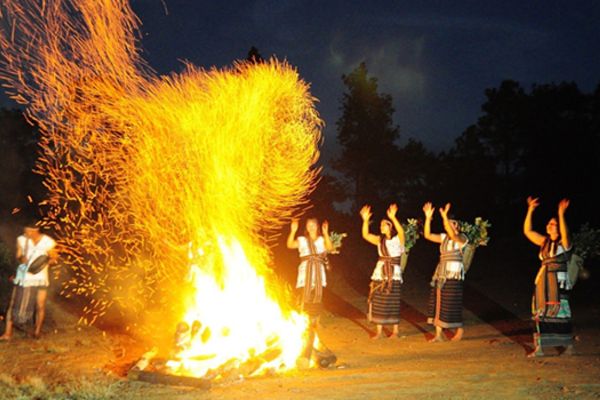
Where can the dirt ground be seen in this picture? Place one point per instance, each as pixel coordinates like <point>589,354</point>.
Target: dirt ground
<point>76,362</point>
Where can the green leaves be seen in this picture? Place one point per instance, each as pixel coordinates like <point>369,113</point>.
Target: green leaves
<point>336,241</point>
<point>477,233</point>
<point>412,232</point>
<point>586,242</point>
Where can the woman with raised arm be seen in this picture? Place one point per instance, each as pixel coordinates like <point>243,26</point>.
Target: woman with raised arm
<point>446,297</point>
<point>386,280</point>
<point>312,246</point>
<point>550,303</point>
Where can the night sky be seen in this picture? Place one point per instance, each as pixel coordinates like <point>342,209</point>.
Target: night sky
<point>434,57</point>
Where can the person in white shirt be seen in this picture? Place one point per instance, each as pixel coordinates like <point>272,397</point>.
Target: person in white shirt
<point>312,247</point>
<point>385,289</point>
<point>446,296</point>
<point>35,252</point>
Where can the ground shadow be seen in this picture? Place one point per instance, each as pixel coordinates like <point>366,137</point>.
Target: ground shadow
<point>494,314</point>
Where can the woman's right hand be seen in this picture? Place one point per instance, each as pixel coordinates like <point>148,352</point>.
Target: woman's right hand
<point>294,224</point>
<point>365,213</point>
<point>532,203</point>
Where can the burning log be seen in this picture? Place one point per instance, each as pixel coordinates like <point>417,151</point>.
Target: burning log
<point>152,370</point>
<point>147,357</point>
<point>324,357</point>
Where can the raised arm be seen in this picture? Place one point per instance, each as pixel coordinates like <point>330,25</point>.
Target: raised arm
<point>452,233</point>
<point>365,213</point>
<point>292,242</point>
<point>391,213</point>
<point>562,224</point>
<point>325,229</point>
<point>434,237</point>
<point>532,235</point>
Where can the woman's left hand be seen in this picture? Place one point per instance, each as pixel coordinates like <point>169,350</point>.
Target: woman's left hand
<point>562,206</point>
<point>392,210</point>
<point>444,211</point>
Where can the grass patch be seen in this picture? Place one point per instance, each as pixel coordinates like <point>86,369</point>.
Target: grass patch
<point>35,388</point>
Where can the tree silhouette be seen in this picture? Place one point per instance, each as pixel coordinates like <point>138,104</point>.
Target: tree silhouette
<point>468,177</point>
<point>368,139</point>
<point>417,178</point>
<point>254,55</point>
<point>18,153</point>
<point>541,143</point>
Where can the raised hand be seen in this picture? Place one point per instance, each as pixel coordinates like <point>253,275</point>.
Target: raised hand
<point>325,228</point>
<point>294,225</point>
<point>444,211</point>
<point>532,203</point>
<point>392,210</point>
<point>365,213</point>
<point>428,210</point>
<point>562,206</point>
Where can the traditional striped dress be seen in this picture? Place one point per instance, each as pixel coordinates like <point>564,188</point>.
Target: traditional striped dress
<point>311,273</point>
<point>550,303</point>
<point>446,297</point>
<point>386,282</point>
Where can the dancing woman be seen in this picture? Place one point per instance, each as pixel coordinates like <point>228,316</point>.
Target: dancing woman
<point>386,280</point>
<point>550,304</point>
<point>446,296</point>
<point>312,277</point>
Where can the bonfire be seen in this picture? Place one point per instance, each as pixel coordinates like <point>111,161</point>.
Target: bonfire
<point>141,169</point>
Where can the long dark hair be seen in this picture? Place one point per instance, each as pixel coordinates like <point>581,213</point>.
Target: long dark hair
<point>392,228</point>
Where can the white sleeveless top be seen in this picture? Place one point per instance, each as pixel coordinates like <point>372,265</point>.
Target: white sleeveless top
<point>454,269</point>
<point>304,250</point>
<point>32,251</point>
<point>395,249</point>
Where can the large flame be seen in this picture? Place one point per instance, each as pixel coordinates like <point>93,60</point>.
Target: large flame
<point>138,165</point>
<point>238,321</point>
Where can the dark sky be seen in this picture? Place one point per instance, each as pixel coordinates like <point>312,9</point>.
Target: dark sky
<point>434,57</point>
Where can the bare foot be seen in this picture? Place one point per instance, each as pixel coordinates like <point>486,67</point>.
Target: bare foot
<point>394,336</point>
<point>536,353</point>
<point>458,335</point>
<point>5,338</point>
<point>377,336</point>
<point>569,351</point>
<point>436,339</point>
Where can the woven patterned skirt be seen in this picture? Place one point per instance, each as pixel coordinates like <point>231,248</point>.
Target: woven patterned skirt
<point>23,302</point>
<point>384,308</point>
<point>311,309</point>
<point>556,330</point>
<point>446,305</point>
